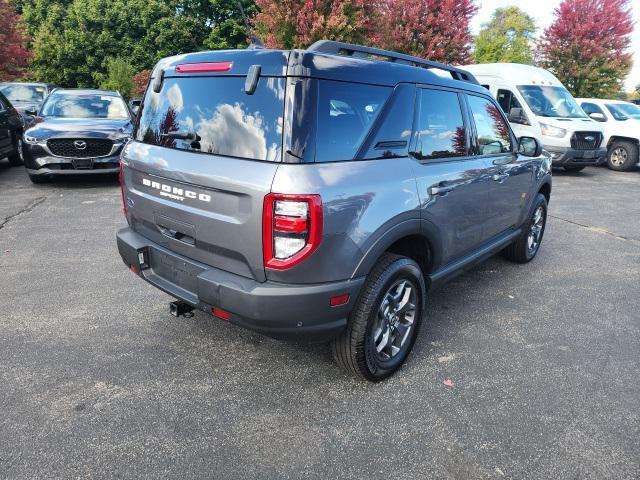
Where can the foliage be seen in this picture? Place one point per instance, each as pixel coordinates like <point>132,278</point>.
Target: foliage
<point>140,81</point>
<point>433,29</point>
<point>74,38</point>
<point>587,46</point>
<point>13,54</point>
<point>119,77</point>
<point>506,37</point>
<point>299,23</point>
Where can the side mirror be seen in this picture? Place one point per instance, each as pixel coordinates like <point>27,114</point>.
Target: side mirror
<point>529,147</point>
<point>598,117</point>
<point>31,111</point>
<point>517,115</point>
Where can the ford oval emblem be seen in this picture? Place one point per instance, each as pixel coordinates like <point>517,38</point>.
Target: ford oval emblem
<point>589,138</point>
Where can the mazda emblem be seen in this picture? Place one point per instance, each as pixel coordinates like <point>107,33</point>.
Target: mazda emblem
<point>80,144</point>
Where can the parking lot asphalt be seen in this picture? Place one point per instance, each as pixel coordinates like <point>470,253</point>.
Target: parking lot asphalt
<point>98,380</point>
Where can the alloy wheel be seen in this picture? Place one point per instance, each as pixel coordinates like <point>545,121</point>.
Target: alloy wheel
<point>619,157</point>
<point>535,231</point>
<point>395,319</point>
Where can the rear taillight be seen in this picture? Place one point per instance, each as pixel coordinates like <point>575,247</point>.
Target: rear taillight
<point>121,179</point>
<point>291,229</point>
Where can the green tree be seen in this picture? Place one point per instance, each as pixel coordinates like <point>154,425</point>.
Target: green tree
<point>74,39</point>
<point>119,77</point>
<point>506,37</point>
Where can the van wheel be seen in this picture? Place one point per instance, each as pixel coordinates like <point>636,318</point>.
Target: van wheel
<point>384,323</point>
<point>574,168</point>
<point>15,159</point>
<point>622,156</point>
<point>526,246</point>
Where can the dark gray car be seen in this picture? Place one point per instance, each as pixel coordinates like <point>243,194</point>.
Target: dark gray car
<point>319,194</point>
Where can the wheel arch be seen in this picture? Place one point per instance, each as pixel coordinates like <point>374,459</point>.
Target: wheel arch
<point>416,239</point>
<point>620,138</point>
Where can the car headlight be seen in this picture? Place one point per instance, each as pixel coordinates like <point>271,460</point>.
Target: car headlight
<point>30,139</point>
<point>551,131</point>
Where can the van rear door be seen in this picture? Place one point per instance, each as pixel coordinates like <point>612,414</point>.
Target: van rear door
<point>204,156</point>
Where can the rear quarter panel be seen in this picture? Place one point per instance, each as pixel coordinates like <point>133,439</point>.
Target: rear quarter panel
<point>361,200</point>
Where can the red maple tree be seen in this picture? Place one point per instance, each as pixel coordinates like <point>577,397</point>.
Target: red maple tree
<point>432,29</point>
<point>586,46</point>
<point>299,23</point>
<point>13,40</point>
<point>140,81</point>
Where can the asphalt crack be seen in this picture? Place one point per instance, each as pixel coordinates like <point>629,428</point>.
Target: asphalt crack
<point>28,208</point>
<point>598,230</point>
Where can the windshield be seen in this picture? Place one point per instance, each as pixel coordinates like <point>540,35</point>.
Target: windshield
<point>624,111</point>
<point>23,93</point>
<point>84,106</point>
<point>547,101</point>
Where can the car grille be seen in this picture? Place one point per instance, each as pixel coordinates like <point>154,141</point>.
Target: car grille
<point>72,147</point>
<point>586,140</point>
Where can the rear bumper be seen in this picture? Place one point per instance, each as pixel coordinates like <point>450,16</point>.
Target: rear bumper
<point>566,156</point>
<point>296,312</point>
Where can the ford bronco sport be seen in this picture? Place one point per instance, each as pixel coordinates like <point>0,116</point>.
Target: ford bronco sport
<point>319,194</point>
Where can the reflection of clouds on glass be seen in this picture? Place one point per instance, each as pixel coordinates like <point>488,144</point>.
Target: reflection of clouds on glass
<point>155,99</point>
<point>116,110</point>
<point>276,86</point>
<point>235,133</point>
<point>174,95</point>
<point>74,110</point>
<point>446,135</point>
<point>279,126</point>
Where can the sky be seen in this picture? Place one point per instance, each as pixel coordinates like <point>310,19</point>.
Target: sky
<point>542,12</point>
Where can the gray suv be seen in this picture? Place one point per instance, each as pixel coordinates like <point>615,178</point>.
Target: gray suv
<point>318,194</point>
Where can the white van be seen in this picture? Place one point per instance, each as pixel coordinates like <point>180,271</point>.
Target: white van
<point>538,105</point>
<point>621,123</point>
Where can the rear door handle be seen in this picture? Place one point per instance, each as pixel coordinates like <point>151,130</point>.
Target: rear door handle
<point>441,191</point>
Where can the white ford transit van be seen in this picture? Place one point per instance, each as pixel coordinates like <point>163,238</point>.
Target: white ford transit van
<point>538,105</point>
<point>621,123</point>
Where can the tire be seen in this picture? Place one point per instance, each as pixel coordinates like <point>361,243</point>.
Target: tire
<point>15,159</point>
<point>357,348</point>
<point>622,156</point>
<point>574,168</point>
<point>521,250</point>
<point>38,178</point>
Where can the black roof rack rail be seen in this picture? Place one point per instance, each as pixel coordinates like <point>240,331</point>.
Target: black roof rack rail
<point>360,51</point>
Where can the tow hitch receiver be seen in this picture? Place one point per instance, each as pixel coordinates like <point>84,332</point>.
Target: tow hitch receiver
<point>180,309</point>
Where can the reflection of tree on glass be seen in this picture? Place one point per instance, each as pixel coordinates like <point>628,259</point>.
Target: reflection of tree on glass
<point>493,132</point>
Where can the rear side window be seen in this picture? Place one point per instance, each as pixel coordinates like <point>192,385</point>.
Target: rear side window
<point>214,115</point>
<point>492,130</point>
<point>346,112</point>
<point>440,131</point>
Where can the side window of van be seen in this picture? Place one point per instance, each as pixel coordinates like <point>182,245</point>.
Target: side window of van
<point>507,101</point>
<point>440,130</point>
<point>493,134</point>
<point>590,108</point>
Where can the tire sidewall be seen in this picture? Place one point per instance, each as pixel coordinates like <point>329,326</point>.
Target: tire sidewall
<point>401,268</point>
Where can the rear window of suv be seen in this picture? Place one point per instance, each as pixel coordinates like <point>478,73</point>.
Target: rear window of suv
<point>216,116</point>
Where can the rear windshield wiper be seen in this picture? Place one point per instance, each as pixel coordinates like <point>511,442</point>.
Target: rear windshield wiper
<point>178,135</point>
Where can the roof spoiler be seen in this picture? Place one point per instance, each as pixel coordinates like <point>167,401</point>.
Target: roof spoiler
<point>346,49</point>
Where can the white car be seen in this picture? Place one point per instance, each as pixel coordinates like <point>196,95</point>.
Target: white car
<point>621,123</point>
<point>538,105</point>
